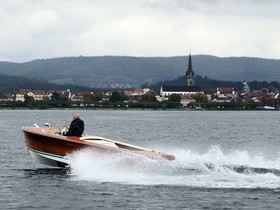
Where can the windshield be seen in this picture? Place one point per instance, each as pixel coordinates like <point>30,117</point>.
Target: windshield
<point>59,125</point>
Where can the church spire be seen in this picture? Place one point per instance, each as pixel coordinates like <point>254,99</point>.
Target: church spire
<point>190,64</point>
<point>190,73</point>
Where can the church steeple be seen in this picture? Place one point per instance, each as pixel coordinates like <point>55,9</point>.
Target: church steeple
<point>190,73</point>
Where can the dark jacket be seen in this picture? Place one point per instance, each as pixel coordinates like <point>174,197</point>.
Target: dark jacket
<point>76,128</point>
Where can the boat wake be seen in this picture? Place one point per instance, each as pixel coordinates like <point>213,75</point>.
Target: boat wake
<point>213,169</point>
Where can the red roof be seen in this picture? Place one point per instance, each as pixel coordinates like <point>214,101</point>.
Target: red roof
<point>224,90</point>
<point>138,90</point>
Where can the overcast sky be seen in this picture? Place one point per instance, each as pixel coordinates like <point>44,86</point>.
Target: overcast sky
<point>32,29</point>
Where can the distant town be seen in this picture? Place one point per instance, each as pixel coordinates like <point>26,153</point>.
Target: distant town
<point>185,96</point>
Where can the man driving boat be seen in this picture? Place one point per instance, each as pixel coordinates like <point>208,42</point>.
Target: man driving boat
<point>76,127</point>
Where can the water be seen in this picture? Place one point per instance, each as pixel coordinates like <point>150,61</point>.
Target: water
<point>224,160</point>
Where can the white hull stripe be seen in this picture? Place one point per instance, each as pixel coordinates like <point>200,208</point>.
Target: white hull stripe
<point>47,154</point>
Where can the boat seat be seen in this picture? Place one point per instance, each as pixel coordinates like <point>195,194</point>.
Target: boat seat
<point>99,140</point>
<point>92,138</point>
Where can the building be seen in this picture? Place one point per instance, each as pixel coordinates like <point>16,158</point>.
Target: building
<point>77,96</point>
<point>139,92</point>
<point>246,87</point>
<point>189,89</point>
<point>38,95</point>
<point>190,77</point>
<point>166,91</point>
<point>65,94</point>
<point>225,94</point>
<point>6,97</point>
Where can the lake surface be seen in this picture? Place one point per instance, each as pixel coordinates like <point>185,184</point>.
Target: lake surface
<point>224,160</point>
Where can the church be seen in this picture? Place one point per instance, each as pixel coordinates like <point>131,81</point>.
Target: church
<point>185,91</point>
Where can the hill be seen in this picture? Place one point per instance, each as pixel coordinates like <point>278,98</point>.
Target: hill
<point>208,84</point>
<point>14,83</point>
<point>122,71</point>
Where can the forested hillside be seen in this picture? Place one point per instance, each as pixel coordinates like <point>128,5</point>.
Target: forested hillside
<point>14,83</point>
<point>105,71</point>
<point>208,84</point>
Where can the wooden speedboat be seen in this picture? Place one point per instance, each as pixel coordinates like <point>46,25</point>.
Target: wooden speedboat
<point>47,146</point>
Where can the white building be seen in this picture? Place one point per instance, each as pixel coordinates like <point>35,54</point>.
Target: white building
<point>166,91</point>
<point>38,95</point>
<point>225,94</point>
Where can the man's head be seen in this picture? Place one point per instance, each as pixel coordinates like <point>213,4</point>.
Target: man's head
<point>76,116</point>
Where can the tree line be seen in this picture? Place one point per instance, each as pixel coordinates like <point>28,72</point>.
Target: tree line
<point>116,100</point>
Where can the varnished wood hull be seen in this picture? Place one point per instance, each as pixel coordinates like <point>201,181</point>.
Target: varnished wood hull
<point>51,149</point>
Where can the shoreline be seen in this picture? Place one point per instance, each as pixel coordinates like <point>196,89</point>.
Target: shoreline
<point>136,109</point>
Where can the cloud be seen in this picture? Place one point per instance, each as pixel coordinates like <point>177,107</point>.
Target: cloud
<point>33,29</point>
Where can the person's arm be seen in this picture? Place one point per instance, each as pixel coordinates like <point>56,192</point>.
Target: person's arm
<point>70,130</point>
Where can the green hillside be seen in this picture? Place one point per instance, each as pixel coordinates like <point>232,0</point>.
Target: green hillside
<point>208,84</point>
<point>14,83</point>
<point>135,71</point>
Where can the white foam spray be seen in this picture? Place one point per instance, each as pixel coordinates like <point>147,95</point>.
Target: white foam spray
<point>213,169</point>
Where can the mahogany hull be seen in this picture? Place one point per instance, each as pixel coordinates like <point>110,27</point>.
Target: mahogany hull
<point>51,149</point>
